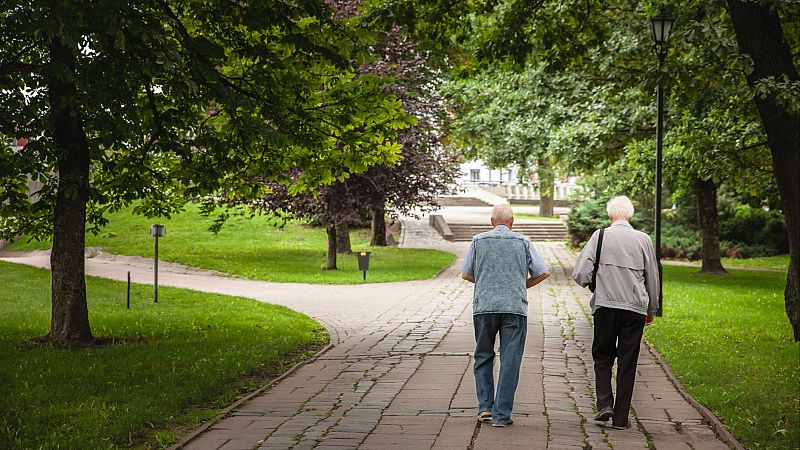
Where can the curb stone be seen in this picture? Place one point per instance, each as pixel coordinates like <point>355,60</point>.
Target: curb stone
<point>710,417</point>
<point>225,412</point>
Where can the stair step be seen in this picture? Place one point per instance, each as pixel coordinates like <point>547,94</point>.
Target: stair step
<point>461,201</point>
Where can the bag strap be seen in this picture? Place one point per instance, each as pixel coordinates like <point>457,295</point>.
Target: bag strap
<point>597,257</point>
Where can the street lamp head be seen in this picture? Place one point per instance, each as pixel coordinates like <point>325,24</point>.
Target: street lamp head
<point>661,25</point>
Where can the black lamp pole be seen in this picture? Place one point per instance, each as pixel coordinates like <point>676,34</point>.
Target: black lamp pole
<point>661,26</point>
<point>659,144</point>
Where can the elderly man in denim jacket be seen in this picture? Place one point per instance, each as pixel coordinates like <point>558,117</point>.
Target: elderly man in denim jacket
<point>502,264</point>
<point>626,296</point>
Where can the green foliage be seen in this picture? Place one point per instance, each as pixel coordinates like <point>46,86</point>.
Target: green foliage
<point>183,99</point>
<point>167,367</point>
<point>728,340</point>
<point>745,232</point>
<point>575,80</point>
<point>508,115</point>
<point>681,241</point>
<point>588,216</point>
<point>584,219</point>
<point>254,248</point>
<point>755,231</point>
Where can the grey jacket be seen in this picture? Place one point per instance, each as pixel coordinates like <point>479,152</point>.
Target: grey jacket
<point>627,277</point>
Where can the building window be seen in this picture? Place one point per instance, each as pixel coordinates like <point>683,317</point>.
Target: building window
<point>474,174</point>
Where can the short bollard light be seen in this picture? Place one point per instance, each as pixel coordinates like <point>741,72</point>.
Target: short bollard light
<point>363,262</point>
<point>156,231</point>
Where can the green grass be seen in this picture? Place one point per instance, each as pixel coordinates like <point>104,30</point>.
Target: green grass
<point>536,217</point>
<point>729,341</point>
<point>778,262</point>
<point>255,249</point>
<point>170,366</point>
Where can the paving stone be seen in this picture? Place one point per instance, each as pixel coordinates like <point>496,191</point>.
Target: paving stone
<point>401,376</point>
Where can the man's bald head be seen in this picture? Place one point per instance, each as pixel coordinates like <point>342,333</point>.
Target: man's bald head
<point>502,215</point>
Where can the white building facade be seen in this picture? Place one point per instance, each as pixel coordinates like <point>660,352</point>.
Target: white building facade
<point>506,183</point>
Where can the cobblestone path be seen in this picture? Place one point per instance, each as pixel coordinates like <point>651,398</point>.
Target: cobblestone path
<point>404,380</point>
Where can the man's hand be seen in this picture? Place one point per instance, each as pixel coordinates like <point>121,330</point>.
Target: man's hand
<point>531,282</point>
<point>648,320</point>
<point>468,277</point>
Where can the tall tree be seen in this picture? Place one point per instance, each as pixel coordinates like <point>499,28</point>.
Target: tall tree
<point>774,76</point>
<point>426,168</point>
<point>160,100</point>
<point>606,40</point>
<point>532,117</point>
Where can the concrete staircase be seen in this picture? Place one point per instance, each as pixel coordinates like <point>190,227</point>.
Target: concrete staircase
<point>455,200</point>
<point>537,231</point>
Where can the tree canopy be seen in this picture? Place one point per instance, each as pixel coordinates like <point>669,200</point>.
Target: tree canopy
<point>161,101</point>
<point>732,90</point>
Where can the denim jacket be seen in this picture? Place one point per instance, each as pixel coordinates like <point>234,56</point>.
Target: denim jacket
<point>500,260</point>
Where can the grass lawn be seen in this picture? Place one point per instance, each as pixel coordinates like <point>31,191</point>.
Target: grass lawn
<point>254,249</point>
<point>780,262</point>
<point>171,365</point>
<point>729,341</point>
<point>536,217</point>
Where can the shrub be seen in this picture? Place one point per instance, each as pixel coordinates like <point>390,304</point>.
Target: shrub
<point>745,231</point>
<point>753,231</point>
<point>584,218</point>
<point>590,215</point>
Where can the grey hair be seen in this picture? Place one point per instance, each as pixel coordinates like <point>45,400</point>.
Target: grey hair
<point>620,207</point>
<point>502,214</point>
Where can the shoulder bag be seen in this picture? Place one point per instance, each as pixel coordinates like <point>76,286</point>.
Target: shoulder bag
<point>593,284</point>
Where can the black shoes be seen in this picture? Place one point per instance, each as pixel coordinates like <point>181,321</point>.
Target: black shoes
<point>607,413</point>
<point>604,414</point>
<point>621,427</point>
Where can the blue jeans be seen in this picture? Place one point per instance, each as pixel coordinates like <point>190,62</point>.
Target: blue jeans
<point>512,328</point>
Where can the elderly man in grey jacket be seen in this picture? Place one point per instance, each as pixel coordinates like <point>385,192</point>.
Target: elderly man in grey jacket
<point>625,299</point>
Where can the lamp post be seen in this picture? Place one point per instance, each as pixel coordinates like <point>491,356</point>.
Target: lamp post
<point>661,26</point>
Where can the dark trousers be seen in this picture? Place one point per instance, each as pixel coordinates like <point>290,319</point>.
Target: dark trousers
<point>617,334</point>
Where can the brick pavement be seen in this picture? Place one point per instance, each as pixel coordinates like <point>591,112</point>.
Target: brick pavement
<point>405,381</point>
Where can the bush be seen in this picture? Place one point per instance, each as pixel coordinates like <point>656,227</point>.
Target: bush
<point>751,232</point>
<point>590,215</point>
<point>584,218</point>
<point>679,237</point>
<point>745,232</point>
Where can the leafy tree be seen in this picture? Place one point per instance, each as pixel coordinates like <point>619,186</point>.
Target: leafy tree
<point>426,168</point>
<point>775,79</point>
<point>608,43</point>
<point>713,134</point>
<point>528,117</point>
<point>159,101</point>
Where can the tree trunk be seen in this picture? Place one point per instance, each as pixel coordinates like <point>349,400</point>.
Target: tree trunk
<point>760,35</point>
<point>378,227</point>
<point>546,186</point>
<point>707,219</point>
<point>69,321</point>
<point>331,263</point>
<point>343,238</point>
